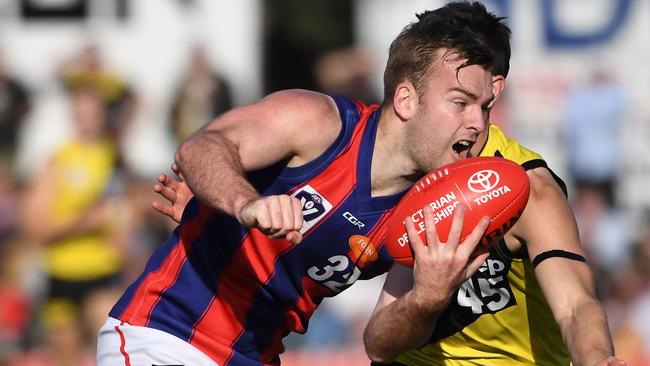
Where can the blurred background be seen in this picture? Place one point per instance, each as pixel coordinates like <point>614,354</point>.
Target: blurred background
<point>96,94</point>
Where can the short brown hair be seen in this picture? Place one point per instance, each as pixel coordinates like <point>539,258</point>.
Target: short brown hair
<point>465,28</point>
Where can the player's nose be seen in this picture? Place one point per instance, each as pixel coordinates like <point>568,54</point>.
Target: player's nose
<point>476,119</point>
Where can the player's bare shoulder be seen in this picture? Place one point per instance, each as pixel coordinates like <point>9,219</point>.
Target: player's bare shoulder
<point>315,122</point>
<point>546,216</point>
<point>296,125</point>
<point>309,108</point>
<point>543,185</point>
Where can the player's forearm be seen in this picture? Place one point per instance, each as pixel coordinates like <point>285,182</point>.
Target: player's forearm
<point>586,334</point>
<point>212,169</point>
<point>398,327</point>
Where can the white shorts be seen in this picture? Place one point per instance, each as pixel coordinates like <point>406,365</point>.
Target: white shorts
<point>120,344</point>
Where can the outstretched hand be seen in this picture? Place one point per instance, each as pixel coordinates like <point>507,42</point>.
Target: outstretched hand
<point>173,190</point>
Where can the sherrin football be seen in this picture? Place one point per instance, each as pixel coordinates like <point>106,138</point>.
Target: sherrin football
<point>487,186</point>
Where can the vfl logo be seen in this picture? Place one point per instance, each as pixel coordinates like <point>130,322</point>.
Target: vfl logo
<point>314,206</point>
<point>483,181</point>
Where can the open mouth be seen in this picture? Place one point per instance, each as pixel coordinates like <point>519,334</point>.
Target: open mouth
<point>462,147</point>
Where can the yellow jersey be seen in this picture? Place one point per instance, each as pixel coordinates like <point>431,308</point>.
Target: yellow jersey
<point>83,172</point>
<point>498,317</point>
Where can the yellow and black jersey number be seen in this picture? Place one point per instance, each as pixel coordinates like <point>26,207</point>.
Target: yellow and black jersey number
<point>488,291</point>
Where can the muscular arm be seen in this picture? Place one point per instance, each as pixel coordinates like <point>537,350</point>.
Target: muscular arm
<point>213,169</point>
<point>412,298</point>
<point>294,125</point>
<point>546,224</point>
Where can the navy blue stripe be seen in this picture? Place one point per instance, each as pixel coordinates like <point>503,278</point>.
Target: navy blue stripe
<point>199,276</point>
<point>154,264</point>
<point>281,293</point>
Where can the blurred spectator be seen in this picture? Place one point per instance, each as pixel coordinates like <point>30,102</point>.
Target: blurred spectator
<point>594,116</point>
<point>87,70</point>
<point>202,95</point>
<point>8,204</point>
<point>347,71</point>
<point>15,304</point>
<point>71,207</point>
<point>605,230</point>
<point>14,106</point>
<point>632,339</point>
<point>146,228</point>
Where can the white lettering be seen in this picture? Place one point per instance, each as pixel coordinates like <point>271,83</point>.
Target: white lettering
<point>417,216</point>
<point>495,266</point>
<point>418,220</point>
<point>403,240</point>
<point>491,195</point>
<point>353,220</point>
<point>443,201</point>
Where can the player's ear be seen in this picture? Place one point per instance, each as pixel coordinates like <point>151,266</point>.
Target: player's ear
<point>498,84</point>
<point>405,100</point>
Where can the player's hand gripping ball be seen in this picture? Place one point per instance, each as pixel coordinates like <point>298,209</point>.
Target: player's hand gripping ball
<point>487,186</point>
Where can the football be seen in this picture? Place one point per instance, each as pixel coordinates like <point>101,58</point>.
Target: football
<point>487,186</point>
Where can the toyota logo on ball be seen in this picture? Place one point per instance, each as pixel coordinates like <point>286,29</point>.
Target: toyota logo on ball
<point>483,181</point>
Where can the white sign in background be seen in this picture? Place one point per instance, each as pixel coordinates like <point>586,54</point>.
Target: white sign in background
<point>555,46</point>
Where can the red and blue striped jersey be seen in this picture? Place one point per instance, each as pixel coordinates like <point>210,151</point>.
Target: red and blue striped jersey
<point>234,293</point>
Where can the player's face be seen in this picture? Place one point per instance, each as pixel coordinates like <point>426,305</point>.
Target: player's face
<point>452,113</point>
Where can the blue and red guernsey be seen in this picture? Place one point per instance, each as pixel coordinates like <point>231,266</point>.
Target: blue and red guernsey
<point>234,293</point>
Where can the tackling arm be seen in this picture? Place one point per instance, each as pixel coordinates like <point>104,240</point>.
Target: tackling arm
<point>548,224</point>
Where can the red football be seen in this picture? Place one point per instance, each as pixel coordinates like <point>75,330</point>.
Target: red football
<point>487,186</point>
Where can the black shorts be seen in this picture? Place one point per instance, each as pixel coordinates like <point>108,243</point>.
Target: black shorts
<point>76,291</point>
